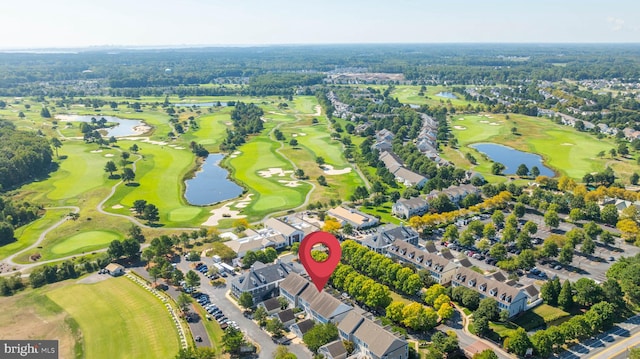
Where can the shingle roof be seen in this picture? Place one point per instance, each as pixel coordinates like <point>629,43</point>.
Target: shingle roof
<point>327,306</point>
<point>271,304</point>
<point>490,287</point>
<point>305,325</point>
<point>388,235</point>
<point>294,284</point>
<point>421,258</point>
<point>261,274</point>
<point>280,226</point>
<point>286,315</point>
<point>336,349</point>
<point>413,202</point>
<point>351,215</point>
<point>410,176</point>
<point>350,322</point>
<point>379,341</point>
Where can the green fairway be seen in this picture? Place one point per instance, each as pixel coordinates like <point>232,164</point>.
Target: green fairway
<point>84,241</point>
<point>119,319</point>
<point>160,176</point>
<point>27,235</point>
<point>409,95</point>
<point>269,194</point>
<point>564,149</point>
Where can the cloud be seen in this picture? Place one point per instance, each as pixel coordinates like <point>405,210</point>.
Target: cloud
<point>617,24</point>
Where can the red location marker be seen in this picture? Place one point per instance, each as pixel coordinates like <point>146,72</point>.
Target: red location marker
<point>320,271</point>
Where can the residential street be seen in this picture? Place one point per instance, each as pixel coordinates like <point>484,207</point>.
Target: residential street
<point>234,313</point>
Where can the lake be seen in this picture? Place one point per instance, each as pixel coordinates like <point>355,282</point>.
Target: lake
<point>124,127</point>
<point>211,184</point>
<point>201,104</point>
<point>512,158</point>
<point>446,95</point>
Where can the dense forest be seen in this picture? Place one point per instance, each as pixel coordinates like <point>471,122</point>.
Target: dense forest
<point>24,156</point>
<point>246,121</point>
<point>14,215</point>
<point>275,70</point>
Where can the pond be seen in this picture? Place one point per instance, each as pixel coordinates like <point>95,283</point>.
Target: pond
<point>512,158</point>
<point>447,95</point>
<point>201,104</point>
<point>211,183</point>
<point>124,127</point>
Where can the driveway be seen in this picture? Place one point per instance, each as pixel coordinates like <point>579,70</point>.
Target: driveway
<point>231,311</point>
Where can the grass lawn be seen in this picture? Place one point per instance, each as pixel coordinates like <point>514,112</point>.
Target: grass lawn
<point>27,235</point>
<point>503,330</point>
<point>160,175</point>
<point>398,298</point>
<point>563,148</point>
<point>409,94</point>
<point>269,195</point>
<point>212,129</point>
<point>85,241</point>
<point>119,319</point>
<point>383,211</point>
<point>541,315</point>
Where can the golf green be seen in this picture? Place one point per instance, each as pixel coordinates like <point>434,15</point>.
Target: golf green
<point>84,241</point>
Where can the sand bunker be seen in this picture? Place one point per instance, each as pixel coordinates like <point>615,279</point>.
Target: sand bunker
<point>566,144</point>
<point>294,135</point>
<point>109,155</point>
<point>117,206</point>
<point>289,183</point>
<point>484,121</point>
<point>459,127</point>
<point>225,212</point>
<point>271,172</point>
<point>461,119</point>
<point>179,148</point>
<point>228,123</point>
<point>328,169</point>
<point>237,152</point>
<point>318,109</point>
<point>302,134</point>
<point>96,151</point>
<point>141,129</point>
<point>494,124</point>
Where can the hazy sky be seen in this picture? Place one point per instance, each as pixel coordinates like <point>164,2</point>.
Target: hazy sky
<point>73,23</point>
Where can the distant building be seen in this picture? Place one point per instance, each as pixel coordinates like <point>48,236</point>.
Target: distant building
<point>286,317</point>
<point>407,208</point>
<point>333,350</point>
<point>455,193</point>
<point>302,327</point>
<point>371,339</point>
<point>440,268</point>
<point>271,305</point>
<point>289,232</point>
<point>357,219</point>
<point>115,269</point>
<point>261,280</point>
<point>321,307</point>
<point>380,241</point>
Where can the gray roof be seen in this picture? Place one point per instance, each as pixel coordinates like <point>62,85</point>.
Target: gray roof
<point>327,306</point>
<point>286,315</point>
<point>280,226</point>
<point>417,256</point>
<point>305,325</point>
<point>260,274</point>
<point>413,202</point>
<point>294,284</point>
<point>465,262</point>
<point>446,254</point>
<point>388,235</point>
<point>336,349</point>
<point>271,304</point>
<point>390,160</point>
<point>430,247</point>
<point>309,293</point>
<point>490,287</point>
<point>379,340</point>
<point>410,176</point>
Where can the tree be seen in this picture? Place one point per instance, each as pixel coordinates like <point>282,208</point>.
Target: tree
<point>550,291</point>
<point>131,248</point>
<point>275,327</point>
<point>535,171</point>
<point>607,238</point>
<point>282,352</point>
<point>497,218</point>
<point>232,339</point>
<point>135,232</point>
<point>110,167</point>
<point>128,175</point>
<point>433,292</point>
<point>151,213</point>
<point>504,315</point>
<point>481,326</point>
<point>613,152</point>
<point>588,246</point>
<point>299,173</point>
<point>489,231</point>
<point>446,311</point>
<point>116,250</point>
<point>488,308</point>
<point>320,161</point>
<point>471,299</point>
<point>485,354</point>
<point>44,113</point>
<point>56,144</point>
<point>322,181</point>
<point>184,301</point>
<point>522,170</point>
<point>6,232</point>
<point>260,315</point>
<point>394,311</point>
<point>526,259</point>
<point>498,251</point>
<point>139,205</point>
<point>293,142</point>
<point>331,225</point>
<point>565,298</point>
<point>609,214</point>
<point>466,238</point>
<point>134,148</point>
<point>192,279</point>
<point>633,179</point>
<point>542,343</point>
<point>519,210</point>
<point>246,300</point>
<point>320,335</point>
<point>451,233</point>
<point>445,343</point>
<point>566,254</point>
<point>497,168</point>
<point>518,342</point>
<point>551,219</point>
<point>587,292</point>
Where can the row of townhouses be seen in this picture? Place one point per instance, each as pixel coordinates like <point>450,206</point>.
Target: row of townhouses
<point>417,206</point>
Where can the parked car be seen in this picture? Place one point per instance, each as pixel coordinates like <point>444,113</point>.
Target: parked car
<point>611,259</point>
<point>558,267</point>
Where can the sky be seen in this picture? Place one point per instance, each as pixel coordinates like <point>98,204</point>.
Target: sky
<point>83,23</point>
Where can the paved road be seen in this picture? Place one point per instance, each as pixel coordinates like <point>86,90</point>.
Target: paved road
<point>231,311</point>
<point>611,344</point>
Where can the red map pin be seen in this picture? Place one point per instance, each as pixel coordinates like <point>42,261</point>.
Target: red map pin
<point>320,271</point>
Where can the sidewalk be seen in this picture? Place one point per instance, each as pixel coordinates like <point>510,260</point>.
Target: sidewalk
<point>496,349</point>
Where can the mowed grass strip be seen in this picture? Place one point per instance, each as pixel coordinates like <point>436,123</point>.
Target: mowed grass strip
<point>119,319</point>
<point>27,235</point>
<point>85,241</point>
<point>269,194</point>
